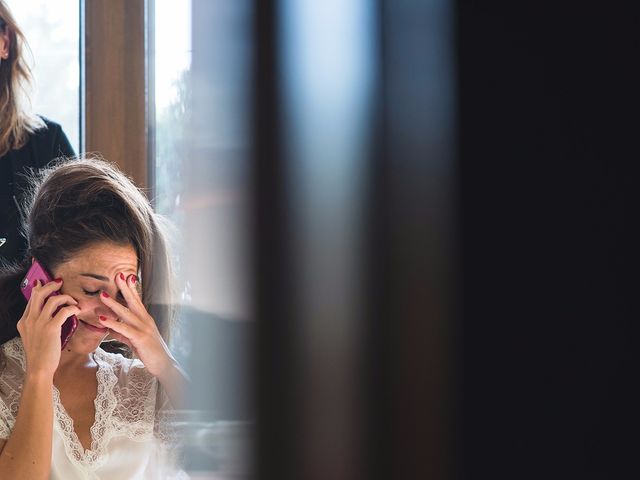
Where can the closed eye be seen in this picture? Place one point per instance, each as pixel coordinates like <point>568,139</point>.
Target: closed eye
<point>119,296</point>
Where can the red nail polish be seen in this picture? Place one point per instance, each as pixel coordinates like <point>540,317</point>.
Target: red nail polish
<point>35,283</point>
<point>58,280</point>
<point>105,294</point>
<point>102,317</point>
<point>134,279</point>
<point>121,276</point>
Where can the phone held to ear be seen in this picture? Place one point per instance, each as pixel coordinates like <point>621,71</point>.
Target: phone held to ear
<point>37,272</point>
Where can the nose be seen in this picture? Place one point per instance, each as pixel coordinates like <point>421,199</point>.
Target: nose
<point>117,296</point>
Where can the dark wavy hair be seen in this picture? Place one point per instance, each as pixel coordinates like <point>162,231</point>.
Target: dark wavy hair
<point>79,202</point>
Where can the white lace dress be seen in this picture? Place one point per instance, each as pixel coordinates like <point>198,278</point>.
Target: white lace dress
<point>128,439</point>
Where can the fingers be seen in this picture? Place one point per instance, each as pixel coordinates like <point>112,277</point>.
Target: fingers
<point>120,310</point>
<point>47,321</point>
<point>63,314</point>
<point>117,327</point>
<point>40,292</point>
<point>127,286</point>
<point>44,289</point>
<point>45,303</point>
<point>134,312</point>
<point>55,302</point>
<point>133,321</point>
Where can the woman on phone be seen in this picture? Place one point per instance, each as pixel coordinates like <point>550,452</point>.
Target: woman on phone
<point>84,412</point>
<point>26,140</point>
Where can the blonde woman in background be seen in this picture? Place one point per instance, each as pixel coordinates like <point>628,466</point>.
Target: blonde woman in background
<point>27,141</point>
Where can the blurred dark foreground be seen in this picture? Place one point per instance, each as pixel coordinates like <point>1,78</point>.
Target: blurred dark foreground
<point>444,230</point>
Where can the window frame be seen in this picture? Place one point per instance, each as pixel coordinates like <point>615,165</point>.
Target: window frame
<point>115,84</point>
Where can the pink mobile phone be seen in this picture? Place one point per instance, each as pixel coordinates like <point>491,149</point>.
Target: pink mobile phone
<point>37,272</point>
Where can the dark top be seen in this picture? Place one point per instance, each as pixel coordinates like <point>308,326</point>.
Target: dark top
<point>43,146</point>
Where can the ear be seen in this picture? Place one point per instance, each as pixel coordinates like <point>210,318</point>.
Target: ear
<point>5,43</point>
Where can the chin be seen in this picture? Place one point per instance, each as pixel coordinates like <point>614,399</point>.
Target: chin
<point>80,342</point>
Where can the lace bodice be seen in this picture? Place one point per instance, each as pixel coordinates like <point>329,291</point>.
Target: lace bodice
<point>128,406</point>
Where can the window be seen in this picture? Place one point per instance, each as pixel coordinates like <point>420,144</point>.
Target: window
<point>171,50</point>
<point>52,29</point>
<point>198,156</point>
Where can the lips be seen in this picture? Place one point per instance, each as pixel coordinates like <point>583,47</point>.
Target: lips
<point>93,328</point>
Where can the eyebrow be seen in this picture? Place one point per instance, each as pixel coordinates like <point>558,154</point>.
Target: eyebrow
<point>97,277</point>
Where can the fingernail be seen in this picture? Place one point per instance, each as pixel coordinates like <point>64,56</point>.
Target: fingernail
<point>134,279</point>
<point>102,317</point>
<point>121,276</point>
<point>58,280</point>
<point>35,283</point>
<point>105,294</point>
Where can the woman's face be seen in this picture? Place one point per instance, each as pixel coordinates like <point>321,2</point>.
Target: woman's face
<point>88,273</point>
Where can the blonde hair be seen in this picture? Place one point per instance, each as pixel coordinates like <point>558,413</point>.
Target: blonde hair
<point>17,121</point>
